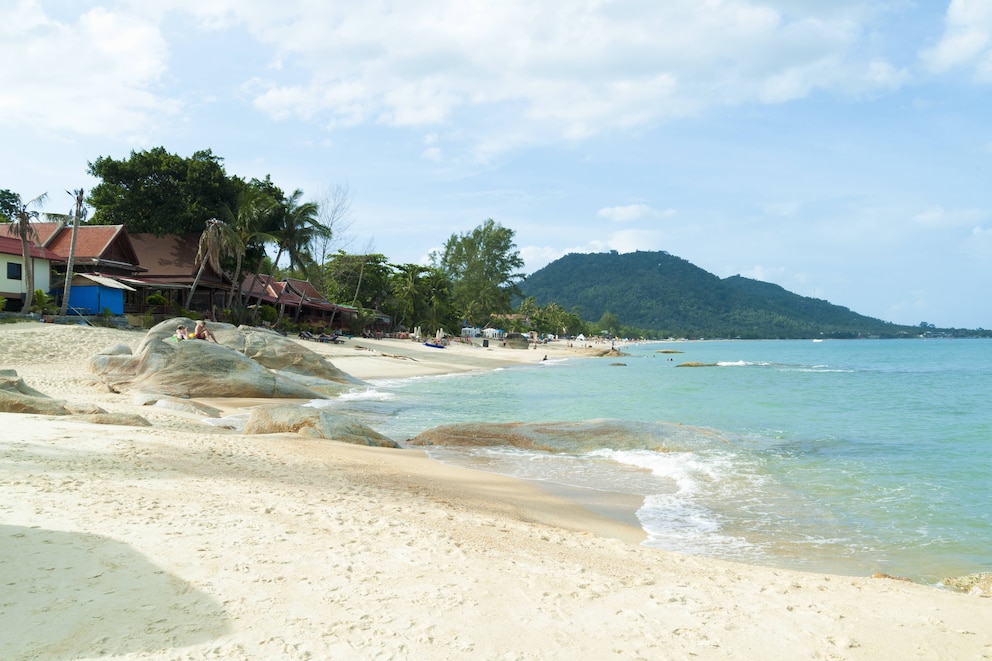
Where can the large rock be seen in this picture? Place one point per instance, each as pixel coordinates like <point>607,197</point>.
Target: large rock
<point>314,423</point>
<point>18,397</point>
<point>121,419</point>
<point>580,436</point>
<point>979,584</point>
<point>242,364</point>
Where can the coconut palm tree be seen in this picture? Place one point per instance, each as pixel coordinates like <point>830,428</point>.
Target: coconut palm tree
<point>217,242</point>
<point>250,220</point>
<point>25,231</point>
<point>407,287</point>
<point>296,225</point>
<point>79,214</point>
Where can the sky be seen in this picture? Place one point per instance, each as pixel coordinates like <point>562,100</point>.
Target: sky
<point>841,149</point>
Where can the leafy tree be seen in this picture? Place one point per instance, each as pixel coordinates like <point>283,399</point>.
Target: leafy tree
<point>161,193</point>
<point>483,268</point>
<point>359,279</point>
<point>332,214</point>
<point>9,204</point>
<point>21,215</point>
<point>609,323</point>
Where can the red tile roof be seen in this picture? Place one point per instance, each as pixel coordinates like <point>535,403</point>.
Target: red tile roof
<point>94,241</point>
<point>43,230</point>
<point>172,258</point>
<point>11,246</point>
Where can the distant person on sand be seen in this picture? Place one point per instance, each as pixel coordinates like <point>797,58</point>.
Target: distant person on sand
<point>181,333</point>
<point>201,332</point>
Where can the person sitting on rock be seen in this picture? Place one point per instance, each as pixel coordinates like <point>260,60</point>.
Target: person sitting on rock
<point>181,333</point>
<point>201,332</point>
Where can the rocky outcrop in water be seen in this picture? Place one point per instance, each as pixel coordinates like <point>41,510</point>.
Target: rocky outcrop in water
<point>979,584</point>
<point>313,423</point>
<point>580,436</point>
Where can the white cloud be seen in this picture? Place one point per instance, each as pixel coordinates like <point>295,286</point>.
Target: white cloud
<point>937,217</point>
<point>95,76</point>
<point>979,243</point>
<point>632,240</point>
<point>511,73</point>
<point>624,214</point>
<point>966,41</point>
<point>560,71</point>
<point>765,274</point>
<point>631,212</point>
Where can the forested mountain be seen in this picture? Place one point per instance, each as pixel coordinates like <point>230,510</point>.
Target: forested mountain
<point>660,292</point>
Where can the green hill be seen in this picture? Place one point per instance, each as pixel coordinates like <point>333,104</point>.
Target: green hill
<point>660,292</point>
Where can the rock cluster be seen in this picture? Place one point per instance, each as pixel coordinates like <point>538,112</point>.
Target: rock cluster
<point>245,362</point>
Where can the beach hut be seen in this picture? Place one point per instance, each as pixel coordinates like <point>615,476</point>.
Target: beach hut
<point>91,294</point>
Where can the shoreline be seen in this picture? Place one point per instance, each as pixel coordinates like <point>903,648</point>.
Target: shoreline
<point>181,540</point>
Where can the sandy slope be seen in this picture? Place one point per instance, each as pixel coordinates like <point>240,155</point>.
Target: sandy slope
<point>181,541</point>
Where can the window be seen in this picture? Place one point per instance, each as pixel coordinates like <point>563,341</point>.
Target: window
<point>13,271</point>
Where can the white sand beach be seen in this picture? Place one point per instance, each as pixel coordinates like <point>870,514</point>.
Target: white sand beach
<point>185,541</point>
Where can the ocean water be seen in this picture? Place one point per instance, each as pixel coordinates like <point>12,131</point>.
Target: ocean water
<point>851,457</point>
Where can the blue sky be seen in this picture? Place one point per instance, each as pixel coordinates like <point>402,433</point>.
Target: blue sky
<point>841,149</point>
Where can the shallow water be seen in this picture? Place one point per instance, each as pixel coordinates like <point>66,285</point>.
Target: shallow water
<point>854,457</point>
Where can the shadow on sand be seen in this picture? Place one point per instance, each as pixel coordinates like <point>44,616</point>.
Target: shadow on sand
<point>67,595</point>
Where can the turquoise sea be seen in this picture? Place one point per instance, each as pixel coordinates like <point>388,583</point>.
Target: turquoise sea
<point>852,457</point>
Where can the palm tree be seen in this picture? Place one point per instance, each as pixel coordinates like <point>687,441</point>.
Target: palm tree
<point>217,241</point>
<point>27,234</point>
<point>297,225</point>
<point>439,297</point>
<point>407,287</point>
<point>254,208</point>
<point>77,216</point>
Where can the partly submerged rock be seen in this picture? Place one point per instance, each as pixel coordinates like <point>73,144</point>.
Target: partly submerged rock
<point>979,584</point>
<point>580,436</point>
<point>314,423</point>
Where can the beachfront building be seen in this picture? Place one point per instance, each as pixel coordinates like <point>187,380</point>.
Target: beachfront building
<point>300,301</point>
<point>12,285</point>
<point>117,272</point>
<point>91,294</point>
<point>169,269</point>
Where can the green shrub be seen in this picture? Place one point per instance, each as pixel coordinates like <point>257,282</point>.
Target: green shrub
<point>43,303</point>
<point>156,299</point>
<point>268,314</point>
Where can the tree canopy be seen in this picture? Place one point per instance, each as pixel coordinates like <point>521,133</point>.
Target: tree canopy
<point>161,193</point>
<point>483,266</point>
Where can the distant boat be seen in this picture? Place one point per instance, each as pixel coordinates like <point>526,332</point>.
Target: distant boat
<point>818,340</point>
<point>433,344</point>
